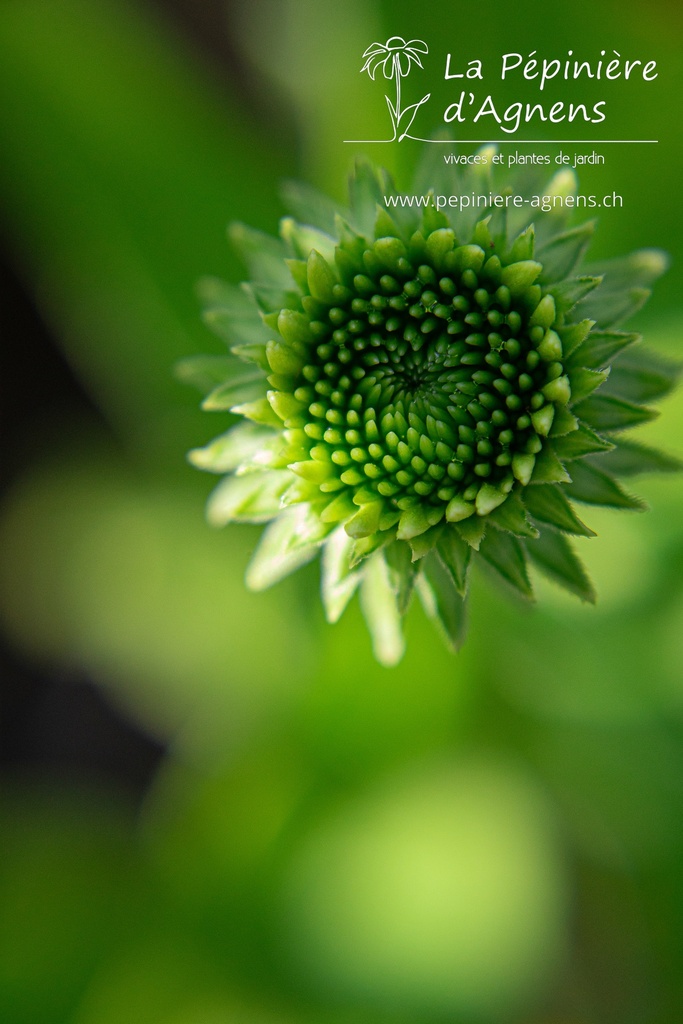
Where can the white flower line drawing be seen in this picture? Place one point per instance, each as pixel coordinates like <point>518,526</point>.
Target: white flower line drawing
<point>396,57</point>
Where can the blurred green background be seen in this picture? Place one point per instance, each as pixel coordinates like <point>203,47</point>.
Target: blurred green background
<point>215,808</point>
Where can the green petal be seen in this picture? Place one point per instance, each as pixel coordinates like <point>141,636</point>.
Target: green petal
<point>442,602</point>
<point>246,443</point>
<point>630,459</point>
<point>600,348</point>
<point>302,239</point>
<point>553,554</point>
<point>568,293</point>
<point>338,581</point>
<point>455,553</point>
<point>584,382</point>
<point>263,255</point>
<point>512,517</point>
<point>506,555</point>
<point>472,530</point>
<point>642,376</point>
<point>402,573</point>
<point>291,541</point>
<point>206,373</point>
<point>250,386</point>
<point>548,468</point>
<point>594,487</point>
<point>380,608</point>
<point>550,505</point>
<point>606,413</point>
<point>583,441</point>
<point>310,206</point>
<point>252,498</point>
<point>562,254</point>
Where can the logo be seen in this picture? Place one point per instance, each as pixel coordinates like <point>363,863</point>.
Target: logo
<point>396,58</point>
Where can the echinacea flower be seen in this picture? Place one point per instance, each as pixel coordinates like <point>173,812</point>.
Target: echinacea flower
<point>418,390</point>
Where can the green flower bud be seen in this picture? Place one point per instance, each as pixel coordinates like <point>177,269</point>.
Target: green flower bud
<point>432,386</point>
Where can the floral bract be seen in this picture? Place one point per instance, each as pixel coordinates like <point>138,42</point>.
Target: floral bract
<point>422,391</point>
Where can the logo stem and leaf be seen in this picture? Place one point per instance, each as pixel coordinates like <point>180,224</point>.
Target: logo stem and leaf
<point>396,58</point>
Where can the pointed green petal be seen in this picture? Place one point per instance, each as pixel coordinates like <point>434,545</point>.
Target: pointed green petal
<point>594,487</point>
<point>549,504</point>
<point>291,541</point>
<point>472,530</point>
<point>338,581</point>
<point>380,608</point>
<point>455,553</point>
<point>309,206</point>
<point>602,412</point>
<point>248,387</point>
<point>442,602</point>
<point>548,468</point>
<point>402,573</point>
<point>631,459</point>
<point>583,441</point>
<point>600,348</point>
<point>512,517</point>
<point>562,254</point>
<point>206,373</point>
<point>252,498</point>
<point>245,443</point>
<point>584,382</point>
<point>553,554</point>
<point>642,376</point>
<point>506,555</point>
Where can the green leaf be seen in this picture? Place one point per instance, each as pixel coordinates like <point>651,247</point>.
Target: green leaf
<point>291,541</point>
<point>603,412</point>
<point>442,602</point>
<point>338,580</point>
<point>631,459</point>
<point>246,443</point>
<point>248,387</point>
<point>380,608</point>
<point>600,348</point>
<point>594,487</point>
<point>252,498</point>
<point>554,555</point>
<point>506,555</point>
<point>205,373</point>
<point>455,553</point>
<point>584,382</point>
<point>550,505</point>
<point>561,255</point>
<point>578,443</point>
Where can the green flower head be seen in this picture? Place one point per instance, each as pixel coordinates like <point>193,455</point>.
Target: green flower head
<point>418,389</point>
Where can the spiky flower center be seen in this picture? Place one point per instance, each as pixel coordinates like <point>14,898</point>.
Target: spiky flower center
<point>430,377</point>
